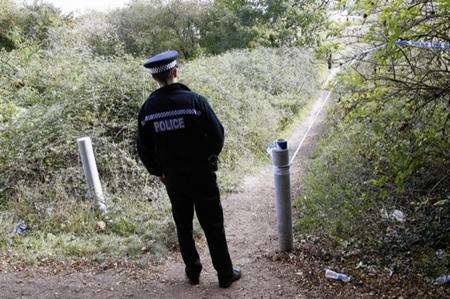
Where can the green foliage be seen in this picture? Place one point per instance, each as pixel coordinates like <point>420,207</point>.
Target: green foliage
<point>193,27</point>
<point>28,24</point>
<point>226,27</point>
<point>8,14</point>
<point>389,145</point>
<point>146,27</point>
<point>149,27</point>
<point>100,34</point>
<point>292,22</point>
<point>87,89</point>
<point>255,100</point>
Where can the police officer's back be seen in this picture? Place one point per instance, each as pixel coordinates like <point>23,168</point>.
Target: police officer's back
<point>179,140</point>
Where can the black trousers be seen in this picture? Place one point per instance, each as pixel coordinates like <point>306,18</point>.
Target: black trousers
<point>199,192</point>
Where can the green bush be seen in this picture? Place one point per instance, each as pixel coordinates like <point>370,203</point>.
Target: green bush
<point>54,95</point>
<point>28,23</point>
<point>388,145</point>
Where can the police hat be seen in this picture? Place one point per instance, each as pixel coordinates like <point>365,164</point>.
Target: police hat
<point>162,62</point>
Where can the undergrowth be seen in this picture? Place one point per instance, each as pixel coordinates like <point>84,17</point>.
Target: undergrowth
<point>380,179</point>
<point>50,96</point>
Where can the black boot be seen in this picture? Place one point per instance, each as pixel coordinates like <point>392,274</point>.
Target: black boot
<point>225,282</point>
<point>193,280</point>
<point>193,276</point>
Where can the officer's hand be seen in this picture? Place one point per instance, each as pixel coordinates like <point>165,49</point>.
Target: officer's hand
<point>163,179</point>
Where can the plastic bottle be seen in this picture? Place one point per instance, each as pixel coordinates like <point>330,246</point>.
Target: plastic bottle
<point>442,279</point>
<point>338,276</point>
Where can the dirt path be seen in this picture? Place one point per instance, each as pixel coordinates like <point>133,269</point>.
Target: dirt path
<point>250,227</point>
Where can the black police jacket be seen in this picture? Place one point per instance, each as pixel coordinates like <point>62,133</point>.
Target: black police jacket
<point>178,132</point>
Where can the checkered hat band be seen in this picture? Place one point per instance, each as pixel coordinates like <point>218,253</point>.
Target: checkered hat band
<point>163,68</point>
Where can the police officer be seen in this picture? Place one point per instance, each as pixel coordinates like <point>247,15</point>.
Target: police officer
<point>179,140</point>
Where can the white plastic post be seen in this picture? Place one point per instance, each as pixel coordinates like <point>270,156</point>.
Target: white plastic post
<point>281,168</point>
<point>91,172</point>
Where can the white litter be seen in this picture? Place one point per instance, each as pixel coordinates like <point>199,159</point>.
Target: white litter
<point>398,215</point>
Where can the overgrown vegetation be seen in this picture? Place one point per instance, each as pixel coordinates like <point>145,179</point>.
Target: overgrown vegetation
<point>79,78</point>
<point>213,27</point>
<point>388,147</point>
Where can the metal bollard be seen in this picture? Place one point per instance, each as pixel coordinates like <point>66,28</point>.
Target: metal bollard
<point>91,172</point>
<point>280,157</point>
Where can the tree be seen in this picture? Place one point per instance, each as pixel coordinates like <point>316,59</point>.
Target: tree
<point>29,23</point>
<point>272,23</point>
<point>407,88</point>
<point>228,25</point>
<point>148,27</point>
<point>8,31</point>
<point>193,27</point>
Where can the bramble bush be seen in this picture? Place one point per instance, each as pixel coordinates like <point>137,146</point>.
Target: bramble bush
<point>51,96</point>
